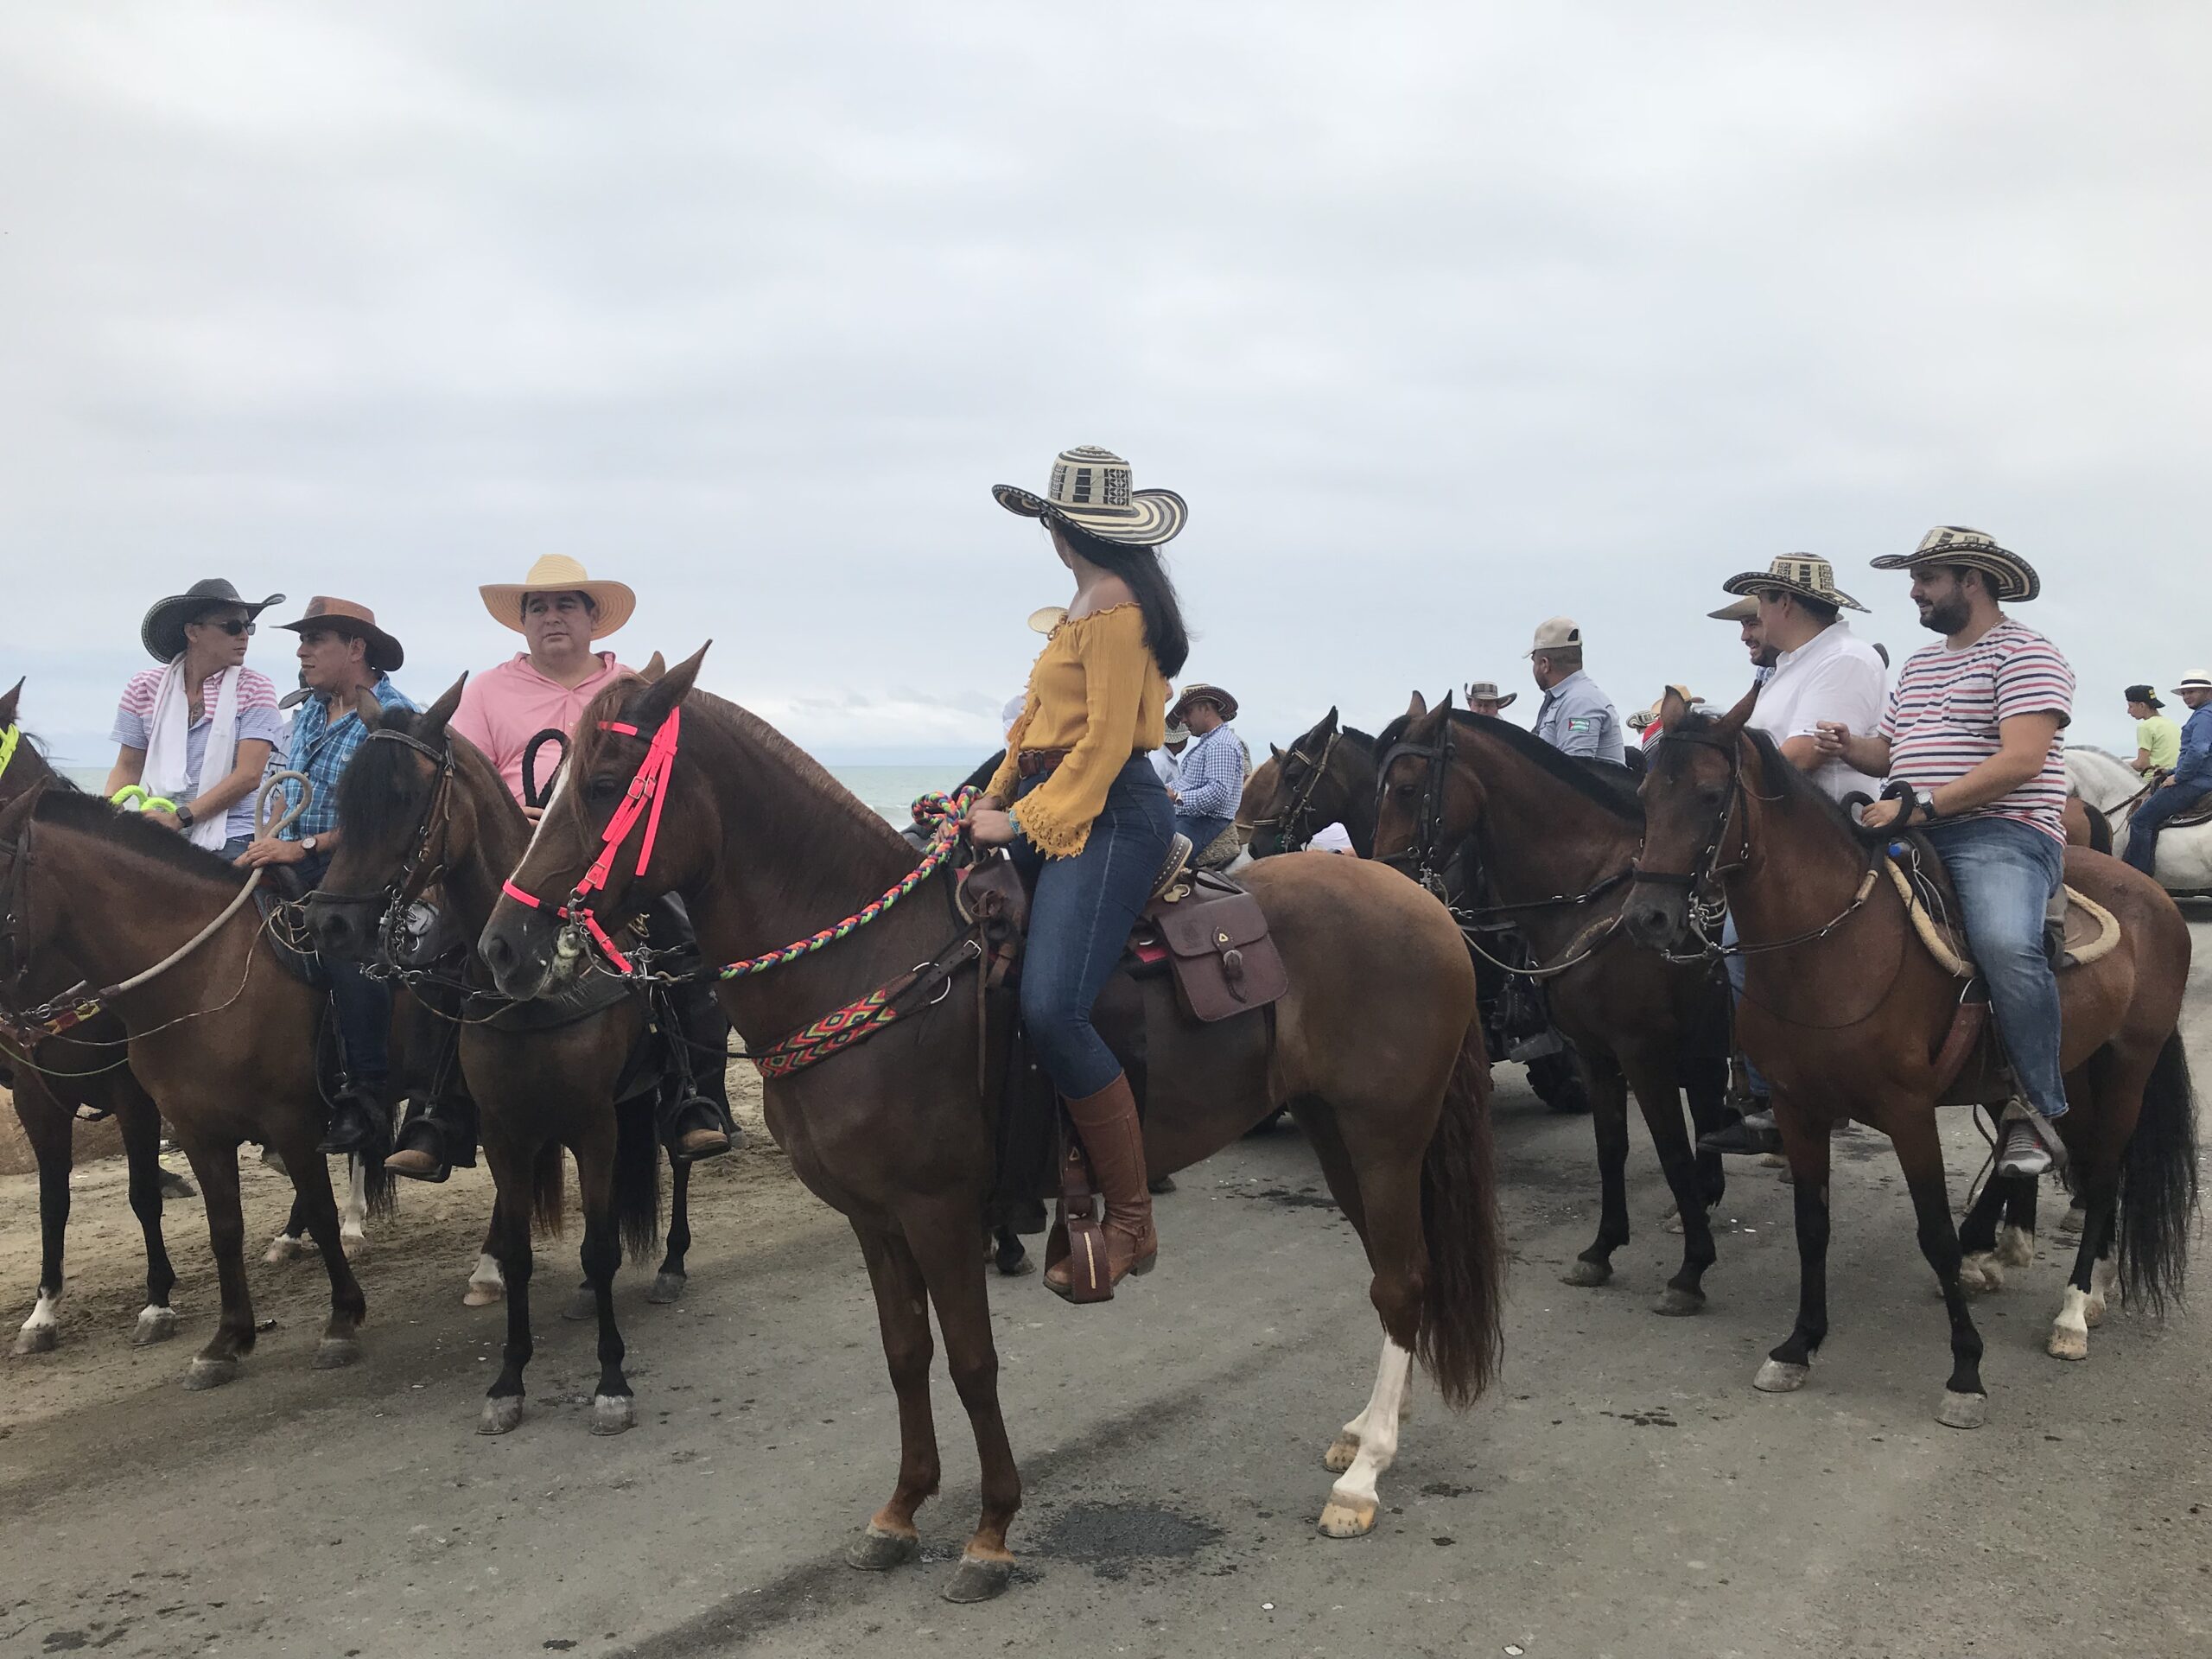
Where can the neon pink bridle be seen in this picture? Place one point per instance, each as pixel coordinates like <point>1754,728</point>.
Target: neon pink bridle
<point>648,792</point>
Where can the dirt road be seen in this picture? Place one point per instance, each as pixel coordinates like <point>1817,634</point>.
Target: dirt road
<point>1624,1493</point>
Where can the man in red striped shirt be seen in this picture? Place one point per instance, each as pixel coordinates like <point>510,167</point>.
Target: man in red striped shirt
<point>1973,726</point>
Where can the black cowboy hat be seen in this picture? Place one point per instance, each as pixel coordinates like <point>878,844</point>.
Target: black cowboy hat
<point>163,632</point>
<point>344,616</point>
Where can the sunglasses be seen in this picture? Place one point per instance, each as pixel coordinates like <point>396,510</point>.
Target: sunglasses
<point>234,627</point>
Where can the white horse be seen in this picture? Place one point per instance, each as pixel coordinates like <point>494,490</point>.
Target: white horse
<point>2111,786</point>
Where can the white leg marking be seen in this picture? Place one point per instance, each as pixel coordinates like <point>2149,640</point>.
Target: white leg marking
<point>1981,1271</point>
<point>42,1314</point>
<point>2104,1274</point>
<point>487,1284</point>
<point>42,1332</point>
<point>1351,1509</point>
<point>2070,1331</point>
<point>2016,1246</point>
<point>352,1220</point>
<point>282,1248</point>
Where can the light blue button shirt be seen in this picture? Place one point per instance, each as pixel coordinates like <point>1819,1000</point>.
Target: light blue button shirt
<point>1578,719</point>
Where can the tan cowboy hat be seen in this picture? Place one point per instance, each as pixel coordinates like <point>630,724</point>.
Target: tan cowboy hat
<point>557,573</point>
<point>2016,578</point>
<point>1199,691</point>
<point>344,616</point>
<point>2192,682</point>
<point>1560,633</point>
<point>1793,573</point>
<point>1487,692</point>
<point>1090,489</point>
<point>1744,610</point>
<point>163,630</point>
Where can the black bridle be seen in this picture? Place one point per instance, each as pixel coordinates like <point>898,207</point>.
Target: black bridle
<point>1703,874</point>
<point>1423,859</point>
<point>421,867</point>
<point>1293,826</point>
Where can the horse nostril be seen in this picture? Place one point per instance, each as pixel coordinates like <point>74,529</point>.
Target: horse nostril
<point>499,954</point>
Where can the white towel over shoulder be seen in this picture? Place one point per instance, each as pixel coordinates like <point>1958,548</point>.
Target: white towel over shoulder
<point>167,770</point>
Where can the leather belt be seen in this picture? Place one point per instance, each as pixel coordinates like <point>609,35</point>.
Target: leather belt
<point>1035,763</point>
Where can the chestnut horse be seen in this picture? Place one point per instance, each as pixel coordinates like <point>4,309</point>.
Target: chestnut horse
<point>1552,847</point>
<point>1846,1012</point>
<point>224,1041</point>
<point>423,807</point>
<point>86,1067</point>
<point>1375,1048</point>
<point>1326,777</point>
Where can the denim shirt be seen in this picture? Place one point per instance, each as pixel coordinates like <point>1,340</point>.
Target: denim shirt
<point>2195,767</point>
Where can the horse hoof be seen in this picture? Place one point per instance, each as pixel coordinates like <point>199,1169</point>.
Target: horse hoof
<point>1979,1273</point>
<point>667,1288</point>
<point>1962,1410</point>
<point>977,1580</point>
<point>334,1353</point>
<point>1341,1455</point>
<point>501,1414</point>
<point>581,1306</point>
<point>1015,1263</point>
<point>1677,1302</point>
<point>37,1339</point>
<point>2068,1345</point>
<point>1343,1518</point>
<point>1780,1377</point>
<point>173,1185</point>
<point>281,1249</point>
<point>154,1325</point>
<point>355,1246</point>
<point>1674,1222</point>
<point>210,1374</point>
<point>482,1293</point>
<point>2092,1313</point>
<point>2016,1247</point>
<point>1586,1274</point>
<point>611,1413</point>
<point>878,1551</point>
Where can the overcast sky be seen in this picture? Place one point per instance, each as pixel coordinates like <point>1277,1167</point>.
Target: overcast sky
<point>1444,318</point>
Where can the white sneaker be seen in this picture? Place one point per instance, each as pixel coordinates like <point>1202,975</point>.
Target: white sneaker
<point>2032,1146</point>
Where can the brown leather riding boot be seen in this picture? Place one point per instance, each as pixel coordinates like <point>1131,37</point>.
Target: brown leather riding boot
<point>1112,1135</point>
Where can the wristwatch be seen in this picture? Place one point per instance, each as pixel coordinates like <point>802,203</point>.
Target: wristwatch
<point>184,817</point>
<point>307,842</point>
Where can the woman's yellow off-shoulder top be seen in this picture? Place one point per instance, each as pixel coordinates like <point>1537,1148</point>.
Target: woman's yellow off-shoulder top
<point>1096,691</point>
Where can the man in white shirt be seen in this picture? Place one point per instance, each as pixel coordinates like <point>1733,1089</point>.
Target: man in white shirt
<point>1822,672</point>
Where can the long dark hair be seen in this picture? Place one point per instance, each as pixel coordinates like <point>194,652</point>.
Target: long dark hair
<point>1163,633</point>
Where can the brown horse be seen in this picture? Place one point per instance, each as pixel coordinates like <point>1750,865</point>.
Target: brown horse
<point>1846,1012</point>
<point>84,1068</point>
<point>1553,848</point>
<point>224,1041</point>
<point>423,809</point>
<point>1326,777</point>
<point>1374,1048</point>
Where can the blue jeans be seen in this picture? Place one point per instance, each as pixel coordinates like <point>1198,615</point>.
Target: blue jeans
<point>2146,820</point>
<point>363,1005</point>
<point>1080,920</point>
<point>1754,1079</point>
<point>2006,873</point>
<point>1203,832</point>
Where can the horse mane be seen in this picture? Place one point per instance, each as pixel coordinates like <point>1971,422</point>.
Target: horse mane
<point>1610,786</point>
<point>378,776</point>
<point>1789,784</point>
<point>1357,739</point>
<point>72,810</point>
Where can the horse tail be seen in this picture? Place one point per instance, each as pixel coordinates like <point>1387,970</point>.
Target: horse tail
<point>380,1188</point>
<point>2157,1184</point>
<point>1463,1292</point>
<point>546,1189</point>
<point>637,1178</point>
<point>2100,829</point>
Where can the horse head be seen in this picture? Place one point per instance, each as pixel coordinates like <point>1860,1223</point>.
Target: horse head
<point>1695,824</point>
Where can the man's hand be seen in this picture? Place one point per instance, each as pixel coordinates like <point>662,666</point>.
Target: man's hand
<point>2168,782</point>
<point>167,820</point>
<point>270,851</point>
<point>990,827</point>
<point>533,813</point>
<point>1878,814</point>
<point>1830,737</point>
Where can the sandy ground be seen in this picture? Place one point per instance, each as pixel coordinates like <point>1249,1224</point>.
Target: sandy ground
<point>1624,1493</point>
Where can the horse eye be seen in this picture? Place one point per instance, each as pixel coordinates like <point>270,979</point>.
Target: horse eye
<point>601,790</point>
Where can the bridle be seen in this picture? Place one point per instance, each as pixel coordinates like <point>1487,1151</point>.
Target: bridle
<point>421,869</point>
<point>1294,825</point>
<point>1704,875</point>
<point>1422,860</point>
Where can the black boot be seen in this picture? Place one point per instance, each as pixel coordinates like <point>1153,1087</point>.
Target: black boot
<point>359,1120</point>
<point>1754,1132</point>
<point>696,1120</point>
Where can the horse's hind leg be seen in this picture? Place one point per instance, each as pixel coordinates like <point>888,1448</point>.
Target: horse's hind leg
<point>902,1315</point>
<point>1920,1154</point>
<point>487,1284</point>
<point>2091,1279</point>
<point>669,1281</point>
<point>2016,1239</point>
<point>341,1337</point>
<point>1980,1269</point>
<point>1609,1119</point>
<point>216,1165</point>
<point>291,1239</point>
<point>142,1147</point>
<point>1319,1120</point>
<point>613,1408</point>
<point>1660,1103</point>
<point>46,1124</point>
<point>353,1221</point>
<point>1807,1146</point>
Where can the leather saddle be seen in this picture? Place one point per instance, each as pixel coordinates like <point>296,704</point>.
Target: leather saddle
<point>1207,930</point>
<point>2190,816</point>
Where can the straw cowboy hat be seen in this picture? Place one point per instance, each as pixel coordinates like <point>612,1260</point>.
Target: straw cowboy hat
<point>557,573</point>
<point>1199,691</point>
<point>2192,682</point>
<point>1800,573</point>
<point>163,632</point>
<point>1487,692</point>
<point>1744,610</point>
<point>344,616</point>
<point>2012,576</point>
<point>1090,489</point>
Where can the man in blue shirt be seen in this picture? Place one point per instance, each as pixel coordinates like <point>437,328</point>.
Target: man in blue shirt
<point>1210,781</point>
<point>1576,718</point>
<point>2191,783</point>
<point>342,653</point>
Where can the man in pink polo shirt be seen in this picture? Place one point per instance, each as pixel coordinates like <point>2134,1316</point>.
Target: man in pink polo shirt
<point>560,610</point>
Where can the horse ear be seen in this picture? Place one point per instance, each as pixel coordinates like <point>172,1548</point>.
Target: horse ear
<point>1446,704</point>
<point>1416,707</point>
<point>366,705</point>
<point>1733,723</point>
<point>1328,719</point>
<point>1273,751</point>
<point>431,729</point>
<point>651,672</point>
<point>8,704</point>
<point>664,693</point>
<point>1672,707</point>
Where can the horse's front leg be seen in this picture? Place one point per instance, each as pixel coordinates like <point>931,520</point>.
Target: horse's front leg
<point>47,1125</point>
<point>141,1149</point>
<point>614,1407</point>
<point>509,1243</point>
<point>352,1222</point>
<point>669,1281</point>
<point>943,1237</point>
<point>1660,1100</point>
<point>487,1284</point>
<point>1980,1269</point>
<point>341,1340</point>
<point>1806,1144</point>
<point>902,1314</point>
<point>1965,1403</point>
<point>1608,1120</point>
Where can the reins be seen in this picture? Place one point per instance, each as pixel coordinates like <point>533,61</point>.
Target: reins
<point>1295,820</point>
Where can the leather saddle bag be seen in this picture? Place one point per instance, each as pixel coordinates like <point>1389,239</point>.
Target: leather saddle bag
<point>1224,959</point>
